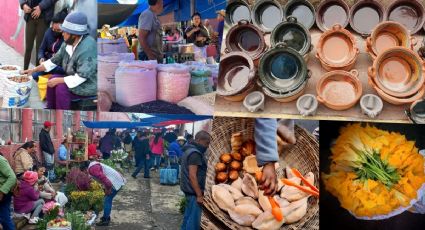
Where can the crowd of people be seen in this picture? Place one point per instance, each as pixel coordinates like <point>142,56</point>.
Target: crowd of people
<point>66,53</point>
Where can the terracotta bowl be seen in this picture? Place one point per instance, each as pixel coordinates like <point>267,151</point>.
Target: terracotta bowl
<point>303,10</point>
<point>387,35</point>
<point>337,48</point>
<point>339,90</point>
<point>236,11</point>
<point>398,72</point>
<point>331,12</point>
<point>399,101</point>
<point>245,37</point>
<point>236,75</point>
<point>365,15</point>
<point>267,14</point>
<point>409,13</point>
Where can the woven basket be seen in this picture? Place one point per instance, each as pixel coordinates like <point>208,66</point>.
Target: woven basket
<point>304,156</point>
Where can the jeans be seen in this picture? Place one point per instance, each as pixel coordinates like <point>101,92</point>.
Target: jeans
<point>38,205</point>
<point>107,204</point>
<point>142,163</point>
<point>5,219</point>
<point>49,161</point>
<point>156,160</point>
<point>192,214</point>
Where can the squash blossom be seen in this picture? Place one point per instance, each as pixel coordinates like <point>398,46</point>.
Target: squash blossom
<point>374,172</point>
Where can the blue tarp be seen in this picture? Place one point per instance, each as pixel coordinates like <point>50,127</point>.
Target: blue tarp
<point>144,122</point>
<point>181,9</point>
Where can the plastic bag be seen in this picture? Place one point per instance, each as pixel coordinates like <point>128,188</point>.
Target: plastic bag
<point>109,46</point>
<point>42,86</point>
<point>173,82</point>
<point>198,107</point>
<point>15,94</point>
<point>61,199</point>
<point>200,82</point>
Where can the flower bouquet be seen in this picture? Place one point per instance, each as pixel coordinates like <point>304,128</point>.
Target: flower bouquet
<point>119,155</point>
<point>375,174</point>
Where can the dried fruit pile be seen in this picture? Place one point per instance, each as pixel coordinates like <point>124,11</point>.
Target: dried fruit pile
<point>19,79</point>
<point>9,68</point>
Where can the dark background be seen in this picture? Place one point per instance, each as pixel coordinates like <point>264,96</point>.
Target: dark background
<point>332,215</point>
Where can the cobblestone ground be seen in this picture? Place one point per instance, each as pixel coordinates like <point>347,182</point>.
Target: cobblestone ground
<point>9,56</point>
<point>145,204</point>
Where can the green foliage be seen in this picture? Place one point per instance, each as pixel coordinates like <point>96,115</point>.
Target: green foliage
<point>182,205</point>
<point>77,220</point>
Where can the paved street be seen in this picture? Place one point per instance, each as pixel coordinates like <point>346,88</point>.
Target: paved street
<point>9,56</point>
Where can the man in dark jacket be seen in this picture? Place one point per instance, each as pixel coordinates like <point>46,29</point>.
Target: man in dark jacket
<point>193,176</point>
<point>38,14</point>
<point>52,41</point>
<point>108,143</point>
<point>47,148</point>
<point>142,154</point>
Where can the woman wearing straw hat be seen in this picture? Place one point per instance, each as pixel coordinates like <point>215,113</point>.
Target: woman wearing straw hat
<point>78,57</point>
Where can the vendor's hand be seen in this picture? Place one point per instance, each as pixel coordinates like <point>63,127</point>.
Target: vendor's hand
<point>36,13</point>
<point>200,200</point>
<point>42,60</point>
<point>55,81</point>
<point>28,71</point>
<point>196,29</point>
<point>26,9</point>
<point>268,181</point>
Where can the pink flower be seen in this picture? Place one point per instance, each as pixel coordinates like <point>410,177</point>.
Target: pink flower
<point>47,207</point>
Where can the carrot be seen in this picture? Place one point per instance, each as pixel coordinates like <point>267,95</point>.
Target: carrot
<point>306,190</point>
<point>276,212</point>
<point>258,175</point>
<point>305,181</point>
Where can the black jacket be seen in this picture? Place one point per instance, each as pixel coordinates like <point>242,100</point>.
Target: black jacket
<point>201,174</point>
<point>46,144</point>
<point>46,6</point>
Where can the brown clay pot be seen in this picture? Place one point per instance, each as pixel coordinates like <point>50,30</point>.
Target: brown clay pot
<point>245,37</point>
<point>365,15</point>
<point>399,72</point>
<point>339,90</point>
<point>337,49</point>
<point>236,76</point>
<point>331,12</point>
<point>387,35</point>
<point>236,11</point>
<point>267,14</point>
<point>396,100</point>
<point>409,13</point>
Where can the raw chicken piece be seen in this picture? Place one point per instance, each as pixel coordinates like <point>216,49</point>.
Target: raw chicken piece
<point>243,220</point>
<point>236,194</point>
<point>237,184</point>
<point>222,197</point>
<point>248,209</point>
<point>266,221</point>
<point>249,186</point>
<point>247,200</point>
<point>264,201</point>
<point>291,193</point>
<point>295,211</point>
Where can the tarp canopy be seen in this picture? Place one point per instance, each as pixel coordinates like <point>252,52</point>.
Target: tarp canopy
<point>154,121</point>
<point>181,9</point>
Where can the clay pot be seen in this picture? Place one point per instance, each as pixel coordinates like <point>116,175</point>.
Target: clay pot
<point>282,69</point>
<point>236,11</point>
<point>247,38</point>
<point>399,72</point>
<point>303,10</point>
<point>387,35</point>
<point>288,96</point>
<point>294,35</point>
<point>337,49</point>
<point>331,12</point>
<point>396,100</point>
<point>236,76</point>
<point>417,112</point>
<point>365,15</point>
<point>409,13</point>
<point>339,90</point>
<point>267,14</point>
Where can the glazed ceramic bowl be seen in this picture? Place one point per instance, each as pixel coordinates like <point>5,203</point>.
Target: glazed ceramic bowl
<point>410,13</point>
<point>339,90</point>
<point>331,12</point>
<point>287,96</point>
<point>302,10</point>
<point>236,11</point>
<point>337,49</point>
<point>417,112</point>
<point>398,72</point>
<point>267,14</point>
<point>387,35</point>
<point>397,100</point>
<point>293,34</point>
<point>365,15</point>
<point>236,76</point>
<point>282,69</point>
<point>245,37</point>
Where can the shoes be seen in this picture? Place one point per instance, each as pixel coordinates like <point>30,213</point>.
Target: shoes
<point>33,220</point>
<point>103,222</point>
<point>147,177</point>
<point>152,169</point>
<point>134,176</point>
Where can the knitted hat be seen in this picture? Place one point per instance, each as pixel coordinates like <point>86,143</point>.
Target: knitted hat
<point>30,177</point>
<point>75,23</point>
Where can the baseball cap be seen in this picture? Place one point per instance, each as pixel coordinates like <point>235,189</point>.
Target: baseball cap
<point>48,124</point>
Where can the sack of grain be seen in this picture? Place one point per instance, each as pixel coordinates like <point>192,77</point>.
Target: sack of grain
<point>107,65</point>
<point>108,46</point>
<point>135,82</point>
<point>173,82</point>
<point>201,82</point>
<point>16,91</point>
